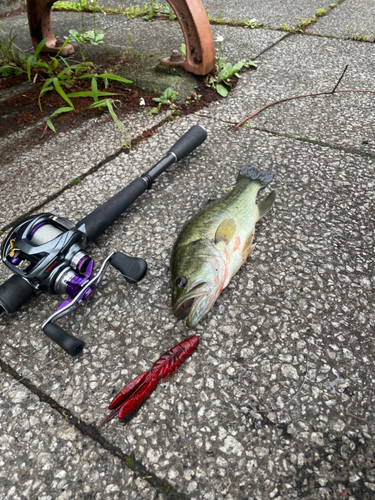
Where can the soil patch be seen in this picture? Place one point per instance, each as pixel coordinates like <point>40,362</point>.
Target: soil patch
<point>23,110</point>
<point>17,12</point>
<point>11,80</point>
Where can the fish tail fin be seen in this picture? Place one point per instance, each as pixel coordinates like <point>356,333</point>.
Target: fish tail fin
<point>265,205</point>
<point>264,177</point>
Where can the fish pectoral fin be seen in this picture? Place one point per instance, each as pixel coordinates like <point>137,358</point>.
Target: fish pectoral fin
<point>225,231</point>
<point>248,247</point>
<point>265,205</point>
<point>250,250</point>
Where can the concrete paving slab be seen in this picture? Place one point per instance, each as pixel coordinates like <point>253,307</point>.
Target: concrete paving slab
<point>260,409</point>
<point>7,6</point>
<point>241,43</point>
<point>43,457</point>
<point>30,168</point>
<point>271,13</point>
<point>352,19</point>
<point>38,171</point>
<point>302,65</point>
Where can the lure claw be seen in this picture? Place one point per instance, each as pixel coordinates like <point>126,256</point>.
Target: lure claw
<point>129,400</point>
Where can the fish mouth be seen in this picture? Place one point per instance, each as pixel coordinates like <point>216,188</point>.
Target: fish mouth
<point>183,305</point>
<point>194,303</point>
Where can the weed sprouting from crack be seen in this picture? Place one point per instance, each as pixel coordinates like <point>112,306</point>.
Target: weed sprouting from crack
<point>225,70</point>
<point>150,11</point>
<point>168,97</point>
<point>57,75</point>
<point>305,22</point>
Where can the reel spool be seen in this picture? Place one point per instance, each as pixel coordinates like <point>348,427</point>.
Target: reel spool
<point>48,253</point>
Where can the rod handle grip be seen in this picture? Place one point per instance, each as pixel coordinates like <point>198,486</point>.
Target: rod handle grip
<point>189,141</point>
<point>95,223</point>
<point>65,340</point>
<point>14,293</point>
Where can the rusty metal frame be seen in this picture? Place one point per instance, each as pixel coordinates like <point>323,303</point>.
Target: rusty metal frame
<point>200,49</point>
<point>39,16</point>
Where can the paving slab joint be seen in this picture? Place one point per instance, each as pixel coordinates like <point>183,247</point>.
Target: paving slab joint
<point>333,37</point>
<point>134,142</point>
<point>305,23</point>
<point>92,432</point>
<point>273,45</point>
<point>352,151</point>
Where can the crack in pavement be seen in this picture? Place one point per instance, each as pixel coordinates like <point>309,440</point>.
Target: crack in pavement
<point>353,151</point>
<point>134,142</point>
<point>273,45</point>
<point>92,432</point>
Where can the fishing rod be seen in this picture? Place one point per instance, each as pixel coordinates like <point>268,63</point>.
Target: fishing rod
<point>47,252</point>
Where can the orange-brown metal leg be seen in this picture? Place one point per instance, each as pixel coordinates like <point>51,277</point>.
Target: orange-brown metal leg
<point>39,15</point>
<point>200,48</point>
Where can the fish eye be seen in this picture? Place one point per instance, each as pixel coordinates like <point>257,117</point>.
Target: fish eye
<point>181,282</point>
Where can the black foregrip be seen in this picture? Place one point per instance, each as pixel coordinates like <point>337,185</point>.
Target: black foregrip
<point>65,340</point>
<point>189,141</point>
<point>14,292</point>
<point>103,216</point>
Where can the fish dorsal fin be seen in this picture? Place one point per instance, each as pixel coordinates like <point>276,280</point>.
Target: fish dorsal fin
<point>265,205</point>
<point>225,231</point>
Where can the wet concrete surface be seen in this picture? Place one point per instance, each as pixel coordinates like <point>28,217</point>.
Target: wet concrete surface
<point>354,19</point>
<point>341,120</point>
<point>277,402</point>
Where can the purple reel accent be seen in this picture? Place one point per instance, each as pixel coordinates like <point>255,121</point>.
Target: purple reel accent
<point>14,260</point>
<point>76,284</point>
<point>83,265</point>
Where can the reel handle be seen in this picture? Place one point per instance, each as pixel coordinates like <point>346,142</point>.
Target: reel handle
<point>133,269</point>
<point>14,293</point>
<point>65,340</point>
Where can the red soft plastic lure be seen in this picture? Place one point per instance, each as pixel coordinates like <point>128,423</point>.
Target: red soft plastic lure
<point>135,393</point>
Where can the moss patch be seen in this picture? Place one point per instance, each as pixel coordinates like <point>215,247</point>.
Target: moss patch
<point>144,70</point>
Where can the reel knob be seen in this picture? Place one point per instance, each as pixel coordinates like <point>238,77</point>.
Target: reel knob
<point>65,340</point>
<point>133,269</point>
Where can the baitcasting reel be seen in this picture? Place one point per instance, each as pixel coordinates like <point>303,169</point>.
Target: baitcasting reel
<point>48,252</point>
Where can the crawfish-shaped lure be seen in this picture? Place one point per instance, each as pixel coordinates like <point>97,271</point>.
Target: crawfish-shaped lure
<point>135,393</point>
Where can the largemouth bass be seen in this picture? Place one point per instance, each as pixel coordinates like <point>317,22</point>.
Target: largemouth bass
<point>215,243</point>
